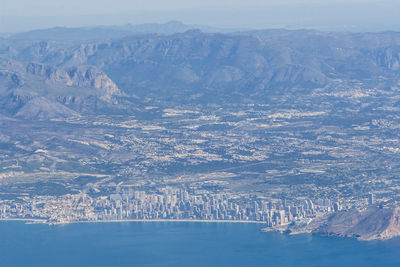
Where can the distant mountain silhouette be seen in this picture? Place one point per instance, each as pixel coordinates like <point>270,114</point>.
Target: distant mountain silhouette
<point>67,34</point>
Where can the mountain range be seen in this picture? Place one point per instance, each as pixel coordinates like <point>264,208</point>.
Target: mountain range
<point>67,34</point>
<point>193,65</point>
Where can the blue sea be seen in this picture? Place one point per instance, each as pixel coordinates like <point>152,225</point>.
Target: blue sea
<point>182,244</point>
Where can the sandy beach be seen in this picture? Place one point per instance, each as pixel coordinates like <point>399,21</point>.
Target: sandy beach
<point>131,220</point>
<point>171,220</point>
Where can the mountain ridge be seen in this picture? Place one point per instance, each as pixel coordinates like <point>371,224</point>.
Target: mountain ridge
<point>93,33</point>
<point>247,64</point>
<point>26,86</point>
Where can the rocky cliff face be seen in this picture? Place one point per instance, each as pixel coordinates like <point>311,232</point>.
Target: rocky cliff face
<point>30,89</point>
<point>87,77</point>
<point>371,224</point>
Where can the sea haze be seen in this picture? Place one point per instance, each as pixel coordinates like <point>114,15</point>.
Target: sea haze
<point>332,15</point>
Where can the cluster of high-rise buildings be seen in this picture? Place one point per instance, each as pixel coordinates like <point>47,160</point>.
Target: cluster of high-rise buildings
<point>166,203</point>
<point>179,204</point>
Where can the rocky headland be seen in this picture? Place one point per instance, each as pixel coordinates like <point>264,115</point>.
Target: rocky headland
<point>373,223</point>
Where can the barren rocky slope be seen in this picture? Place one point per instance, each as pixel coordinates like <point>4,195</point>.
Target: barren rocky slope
<point>30,89</point>
<point>373,223</point>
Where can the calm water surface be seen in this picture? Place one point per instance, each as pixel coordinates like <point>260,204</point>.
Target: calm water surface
<point>182,244</point>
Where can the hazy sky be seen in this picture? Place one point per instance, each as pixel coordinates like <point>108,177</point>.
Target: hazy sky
<point>91,7</point>
<point>16,15</point>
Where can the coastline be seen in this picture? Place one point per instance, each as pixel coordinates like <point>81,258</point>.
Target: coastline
<point>283,229</point>
<point>170,220</point>
<point>24,220</point>
<point>41,221</point>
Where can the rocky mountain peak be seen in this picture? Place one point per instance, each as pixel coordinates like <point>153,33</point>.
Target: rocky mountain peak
<point>35,88</point>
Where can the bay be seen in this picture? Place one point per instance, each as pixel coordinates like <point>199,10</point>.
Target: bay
<point>182,244</point>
